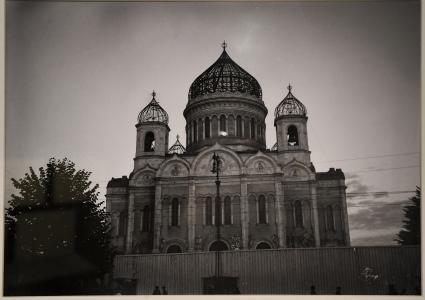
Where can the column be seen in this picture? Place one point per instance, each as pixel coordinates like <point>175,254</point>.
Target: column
<point>244,213</point>
<point>158,218</point>
<point>313,191</point>
<point>130,224</point>
<point>344,214</point>
<point>191,219</point>
<point>280,215</point>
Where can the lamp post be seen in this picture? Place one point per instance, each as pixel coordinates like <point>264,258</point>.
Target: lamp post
<point>216,170</point>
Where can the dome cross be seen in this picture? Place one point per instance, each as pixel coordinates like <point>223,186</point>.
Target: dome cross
<point>289,87</point>
<point>153,94</point>
<point>224,45</point>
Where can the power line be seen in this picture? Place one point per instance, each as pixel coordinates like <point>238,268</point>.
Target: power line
<point>369,157</point>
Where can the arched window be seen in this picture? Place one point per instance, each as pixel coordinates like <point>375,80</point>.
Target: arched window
<point>298,214</point>
<point>330,224</point>
<point>252,128</point>
<point>195,131</point>
<point>149,142</point>
<point>174,249</point>
<point>175,211</point>
<point>219,246</point>
<point>207,127</point>
<point>292,136</point>
<point>223,123</point>
<point>239,126</point>
<point>259,132</point>
<point>262,211</point>
<point>208,211</point>
<point>200,130</point>
<point>146,218</point>
<point>122,224</point>
<point>227,210</point>
<point>263,245</point>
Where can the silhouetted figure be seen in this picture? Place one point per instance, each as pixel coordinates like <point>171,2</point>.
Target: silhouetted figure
<point>392,290</point>
<point>313,290</point>
<point>156,291</point>
<point>338,290</point>
<point>164,291</point>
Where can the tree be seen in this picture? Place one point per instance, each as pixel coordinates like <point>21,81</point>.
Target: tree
<point>410,234</point>
<point>57,233</point>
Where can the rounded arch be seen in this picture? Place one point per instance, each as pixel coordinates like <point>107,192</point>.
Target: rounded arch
<point>172,160</point>
<point>292,136</point>
<point>250,162</point>
<point>219,245</point>
<point>149,142</point>
<point>295,164</point>
<point>174,248</point>
<point>217,148</point>
<point>263,245</point>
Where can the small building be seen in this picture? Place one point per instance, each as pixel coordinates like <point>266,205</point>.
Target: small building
<point>270,198</point>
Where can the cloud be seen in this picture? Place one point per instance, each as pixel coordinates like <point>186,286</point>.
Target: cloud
<point>374,217</point>
<point>375,223</point>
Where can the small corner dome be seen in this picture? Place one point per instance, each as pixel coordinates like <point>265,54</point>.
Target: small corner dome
<point>177,148</point>
<point>290,106</point>
<point>153,112</point>
<point>225,76</point>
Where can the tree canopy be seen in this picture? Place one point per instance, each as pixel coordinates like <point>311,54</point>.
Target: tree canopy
<point>410,233</point>
<point>57,233</point>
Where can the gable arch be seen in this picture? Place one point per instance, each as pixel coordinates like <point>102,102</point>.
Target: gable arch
<point>295,170</point>
<point>167,168</point>
<point>143,177</point>
<point>259,156</point>
<point>201,164</point>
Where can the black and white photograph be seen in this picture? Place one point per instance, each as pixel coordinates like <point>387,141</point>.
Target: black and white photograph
<point>221,148</point>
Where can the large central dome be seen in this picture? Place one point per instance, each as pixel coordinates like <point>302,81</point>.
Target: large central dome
<point>225,106</point>
<point>225,76</point>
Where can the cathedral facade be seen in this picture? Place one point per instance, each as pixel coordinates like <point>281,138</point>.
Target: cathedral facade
<point>270,198</point>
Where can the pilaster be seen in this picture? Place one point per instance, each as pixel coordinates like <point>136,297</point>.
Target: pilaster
<point>158,218</point>
<point>130,224</point>
<point>313,190</point>
<point>346,229</point>
<point>191,216</point>
<point>280,216</point>
<point>244,213</point>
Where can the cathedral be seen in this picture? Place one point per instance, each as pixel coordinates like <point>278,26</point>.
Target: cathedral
<point>269,198</point>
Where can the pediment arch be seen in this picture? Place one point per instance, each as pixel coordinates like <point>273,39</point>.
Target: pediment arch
<point>174,167</point>
<point>260,163</point>
<point>295,170</point>
<point>143,177</point>
<point>202,164</point>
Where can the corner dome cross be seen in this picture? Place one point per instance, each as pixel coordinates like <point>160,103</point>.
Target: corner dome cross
<point>224,45</point>
<point>153,94</point>
<point>289,87</point>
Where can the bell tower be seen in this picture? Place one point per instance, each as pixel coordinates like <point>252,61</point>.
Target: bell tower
<point>291,130</point>
<point>152,131</point>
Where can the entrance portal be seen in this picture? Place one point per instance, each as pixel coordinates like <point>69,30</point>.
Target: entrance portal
<point>219,246</point>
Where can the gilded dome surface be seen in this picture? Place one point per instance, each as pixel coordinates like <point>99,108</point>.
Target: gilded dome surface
<point>290,106</point>
<point>153,112</point>
<point>225,76</point>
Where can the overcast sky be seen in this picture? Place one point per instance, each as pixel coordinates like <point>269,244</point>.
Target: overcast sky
<point>77,75</point>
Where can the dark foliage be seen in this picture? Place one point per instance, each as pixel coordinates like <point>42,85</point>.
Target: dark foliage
<point>410,234</point>
<point>57,239</point>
